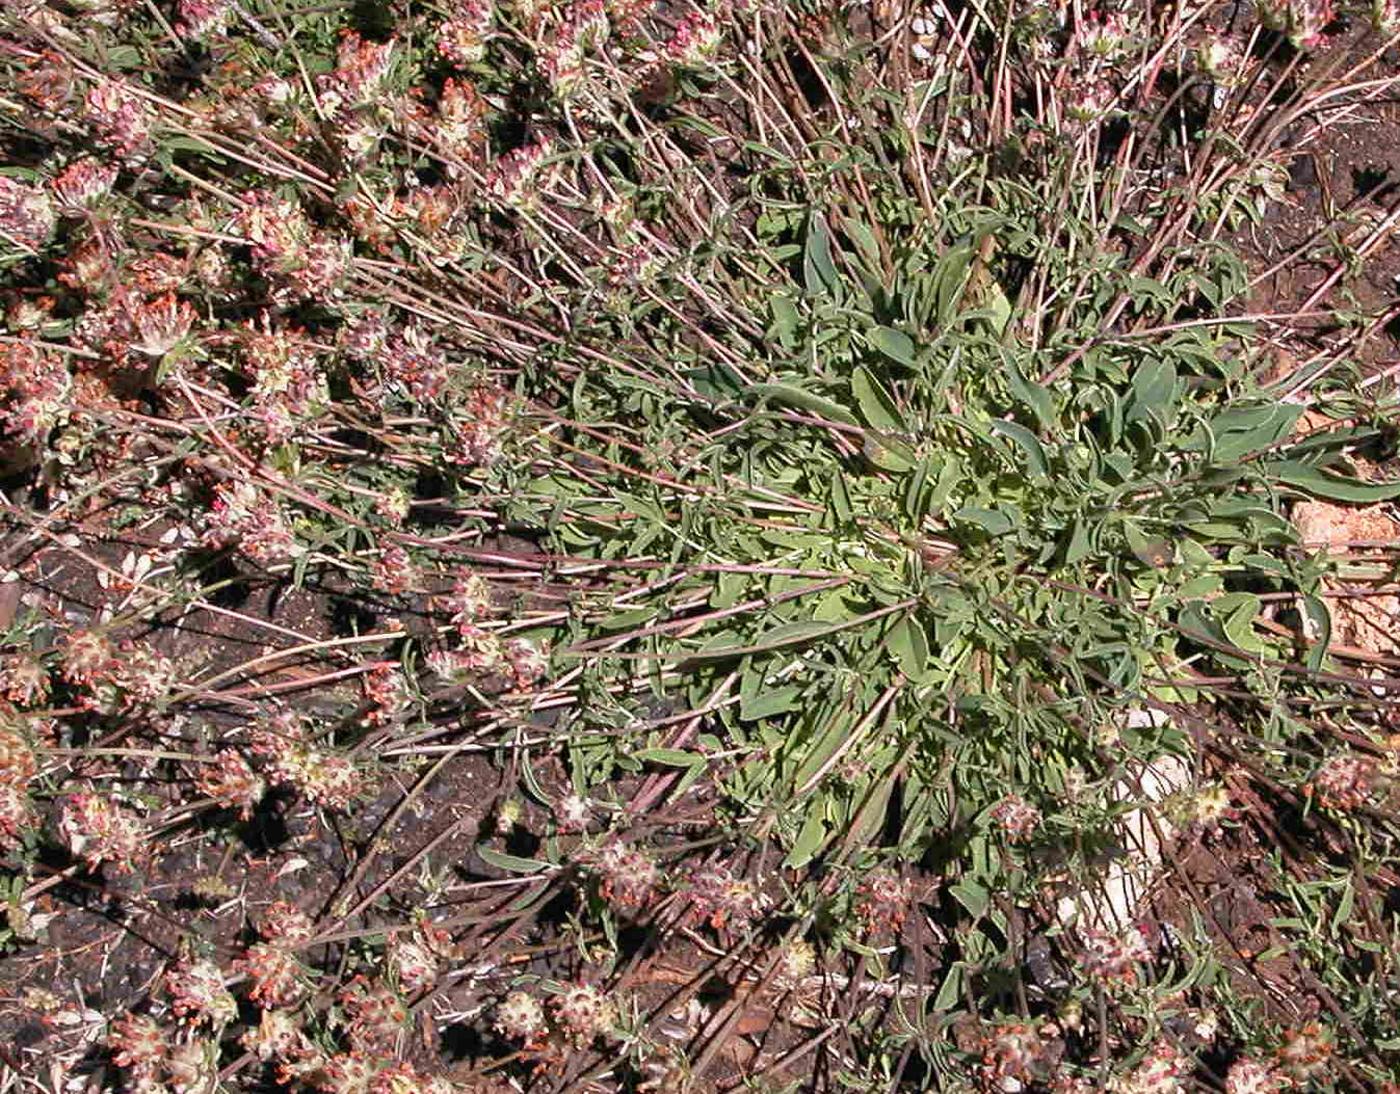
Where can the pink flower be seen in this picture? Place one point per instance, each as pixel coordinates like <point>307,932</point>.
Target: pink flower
<point>26,213</point>
<point>161,324</point>
<point>120,117</point>
<point>512,180</point>
<point>201,18</point>
<point>462,38</point>
<point>695,41</point>
<point>82,184</point>
<point>360,72</point>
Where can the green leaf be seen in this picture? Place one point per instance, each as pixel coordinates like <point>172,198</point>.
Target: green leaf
<point>784,319</point>
<point>1237,613</point>
<point>1240,431</point>
<point>997,306</point>
<point>1324,484</point>
<point>1154,385</point>
<point>908,645</point>
<point>512,864</point>
<point>716,381</point>
<point>625,621</point>
<point>669,757</point>
<point>950,992</point>
<point>951,277</point>
<point>768,703</point>
<point>1029,443</point>
<point>819,274</point>
<point>876,404</point>
<point>1315,608</point>
<point>865,241</point>
<point>992,521</point>
<point>785,634</point>
<point>810,839</point>
<point>1079,545</point>
<point>972,896</point>
<point>887,453</point>
<point>1153,552</point>
<point>1033,395</point>
<point>894,344</point>
<point>841,505</point>
<point>192,144</point>
<point>792,396</point>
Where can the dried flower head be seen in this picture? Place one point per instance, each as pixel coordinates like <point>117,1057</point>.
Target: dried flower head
<point>137,1042</point>
<point>1344,782</point>
<point>203,18</point>
<point>394,572</point>
<point>361,68</point>
<point>98,830</point>
<point>695,41</point>
<point>470,600</point>
<point>120,118</point>
<point>24,679</point>
<point>583,1013</point>
<point>513,180</point>
<point>1305,1053</point>
<point>17,815</point>
<point>796,962</point>
<point>1159,1072</point>
<point>1017,818</point>
<point>197,993</point>
<point>285,924</point>
<point>276,977</point>
<point>374,1016</point>
<point>462,38</point>
<point>572,813</point>
<point>17,763</point>
<point>724,900</point>
<point>1016,1054</point>
<point>882,903</point>
<point>192,1067</point>
<point>413,961</point>
<point>278,1036</point>
<point>527,662</point>
<point>231,781</point>
<point>1113,959</point>
<point>628,879</point>
<point>244,516</point>
<point>520,1017</point>
<point>1248,1076</point>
